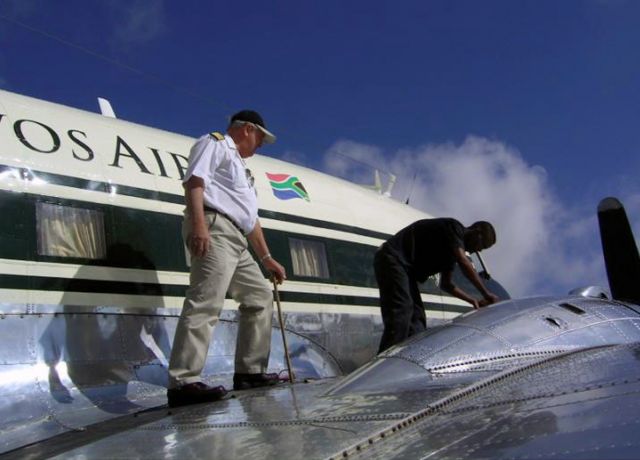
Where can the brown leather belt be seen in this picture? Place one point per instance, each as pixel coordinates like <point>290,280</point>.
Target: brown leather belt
<point>215,211</point>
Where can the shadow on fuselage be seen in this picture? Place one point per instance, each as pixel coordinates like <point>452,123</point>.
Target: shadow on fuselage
<point>99,350</point>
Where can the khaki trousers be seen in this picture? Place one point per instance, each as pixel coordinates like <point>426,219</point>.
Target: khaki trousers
<point>227,267</point>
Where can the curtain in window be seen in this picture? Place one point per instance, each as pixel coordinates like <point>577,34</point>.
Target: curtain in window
<point>70,232</point>
<point>309,258</point>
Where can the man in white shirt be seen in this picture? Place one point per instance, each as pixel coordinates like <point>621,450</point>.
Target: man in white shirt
<point>221,218</point>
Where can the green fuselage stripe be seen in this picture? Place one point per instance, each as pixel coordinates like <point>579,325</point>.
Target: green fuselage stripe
<point>135,192</point>
<point>43,283</point>
<point>151,241</point>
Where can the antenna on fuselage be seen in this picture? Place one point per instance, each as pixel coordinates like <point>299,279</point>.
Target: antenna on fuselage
<point>390,184</point>
<point>413,181</point>
<point>105,108</point>
<point>484,273</point>
<point>377,183</point>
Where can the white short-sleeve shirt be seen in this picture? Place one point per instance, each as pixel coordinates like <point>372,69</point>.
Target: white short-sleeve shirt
<point>226,186</point>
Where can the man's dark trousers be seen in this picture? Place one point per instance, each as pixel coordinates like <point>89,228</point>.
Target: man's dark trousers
<point>401,306</point>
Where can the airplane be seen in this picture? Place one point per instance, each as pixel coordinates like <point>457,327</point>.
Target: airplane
<point>93,270</point>
<point>84,375</point>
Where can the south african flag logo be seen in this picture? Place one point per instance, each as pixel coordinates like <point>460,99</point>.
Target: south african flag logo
<point>286,187</point>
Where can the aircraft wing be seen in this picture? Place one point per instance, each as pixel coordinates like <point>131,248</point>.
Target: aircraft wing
<point>578,404</point>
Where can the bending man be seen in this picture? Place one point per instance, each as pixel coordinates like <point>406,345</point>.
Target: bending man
<point>423,249</point>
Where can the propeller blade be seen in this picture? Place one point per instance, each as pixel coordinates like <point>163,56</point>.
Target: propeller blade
<point>620,251</point>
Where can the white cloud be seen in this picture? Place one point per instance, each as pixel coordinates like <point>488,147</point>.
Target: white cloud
<point>138,21</point>
<point>354,160</point>
<point>543,246</point>
<point>291,156</point>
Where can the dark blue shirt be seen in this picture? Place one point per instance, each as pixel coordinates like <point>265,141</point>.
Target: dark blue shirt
<point>428,246</point>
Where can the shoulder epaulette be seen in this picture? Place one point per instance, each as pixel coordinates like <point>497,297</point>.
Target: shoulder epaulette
<point>217,135</point>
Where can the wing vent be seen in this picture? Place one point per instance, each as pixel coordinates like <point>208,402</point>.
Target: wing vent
<point>572,308</point>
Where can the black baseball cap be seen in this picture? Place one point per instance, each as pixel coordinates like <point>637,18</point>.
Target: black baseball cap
<point>253,117</point>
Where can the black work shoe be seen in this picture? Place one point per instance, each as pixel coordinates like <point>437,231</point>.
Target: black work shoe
<point>248,381</point>
<point>194,393</point>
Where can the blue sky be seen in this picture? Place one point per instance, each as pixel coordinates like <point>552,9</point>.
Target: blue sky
<point>525,113</point>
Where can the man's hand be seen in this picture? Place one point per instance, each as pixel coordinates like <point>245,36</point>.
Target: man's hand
<point>489,299</point>
<point>198,241</point>
<point>198,237</point>
<point>476,305</point>
<point>277,271</point>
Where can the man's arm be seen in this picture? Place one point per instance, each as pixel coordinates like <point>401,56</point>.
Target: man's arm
<point>259,245</point>
<point>446,284</point>
<point>467,269</point>
<point>198,235</point>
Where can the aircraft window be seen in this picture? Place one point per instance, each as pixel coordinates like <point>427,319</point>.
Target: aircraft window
<point>309,258</point>
<point>64,231</point>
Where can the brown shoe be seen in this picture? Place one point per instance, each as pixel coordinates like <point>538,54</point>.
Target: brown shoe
<point>248,381</point>
<point>194,393</point>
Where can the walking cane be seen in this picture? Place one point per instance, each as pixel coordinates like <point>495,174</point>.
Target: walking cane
<point>284,338</point>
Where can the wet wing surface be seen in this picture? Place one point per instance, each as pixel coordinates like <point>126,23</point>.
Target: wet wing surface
<point>292,421</point>
<point>581,404</point>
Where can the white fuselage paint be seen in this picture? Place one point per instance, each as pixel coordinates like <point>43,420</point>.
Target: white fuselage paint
<point>40,139</point>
